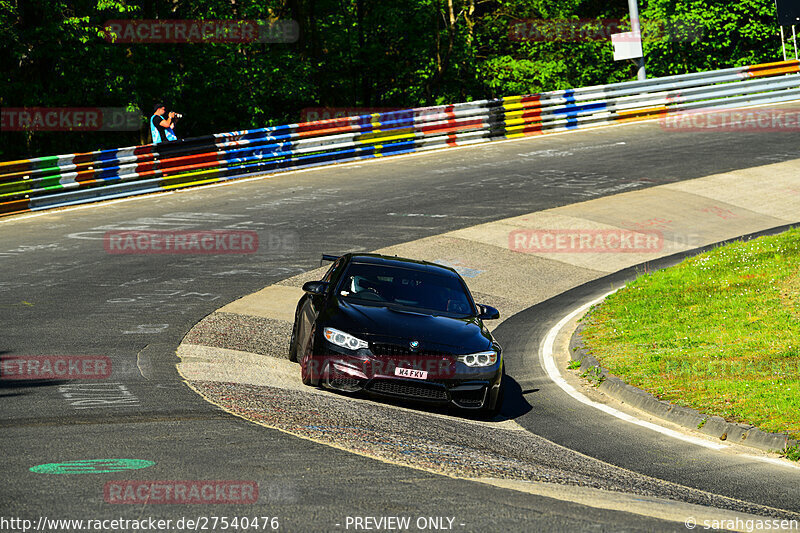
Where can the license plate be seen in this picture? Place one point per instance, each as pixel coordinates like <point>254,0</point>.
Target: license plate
<point>410,373</point>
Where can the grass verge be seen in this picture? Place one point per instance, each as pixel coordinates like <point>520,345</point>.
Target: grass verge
<point>720,333</point>
<point>792,453</point>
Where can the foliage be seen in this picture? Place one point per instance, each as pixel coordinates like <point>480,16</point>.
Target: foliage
<point>729,34</point>
<point>390,53</point>
<point>792,453</point>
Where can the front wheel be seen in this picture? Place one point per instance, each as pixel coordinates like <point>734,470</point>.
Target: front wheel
<point>491,412</point>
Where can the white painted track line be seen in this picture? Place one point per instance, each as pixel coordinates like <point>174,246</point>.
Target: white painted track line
<point>548,362</point>
<point>547,357</point>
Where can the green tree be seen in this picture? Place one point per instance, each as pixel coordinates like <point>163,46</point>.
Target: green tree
<point>371,53</point>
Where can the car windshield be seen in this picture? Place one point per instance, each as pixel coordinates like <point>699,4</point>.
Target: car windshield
<point>408,288</point>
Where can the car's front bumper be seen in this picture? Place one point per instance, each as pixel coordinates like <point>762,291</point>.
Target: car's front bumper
<point>447,381</point>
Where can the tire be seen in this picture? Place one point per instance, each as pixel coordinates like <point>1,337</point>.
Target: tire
<point>491,412</point>
<point>488,413</point>
<point>293,340</point>
<point>305,370</point>
<point>293,344</point>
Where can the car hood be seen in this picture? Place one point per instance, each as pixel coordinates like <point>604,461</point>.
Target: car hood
<point>383,324</point>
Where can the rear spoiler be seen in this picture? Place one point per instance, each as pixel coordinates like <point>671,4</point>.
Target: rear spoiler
<point>328,257</point>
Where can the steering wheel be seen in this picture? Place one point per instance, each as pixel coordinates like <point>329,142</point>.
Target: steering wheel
<point>370,294</point>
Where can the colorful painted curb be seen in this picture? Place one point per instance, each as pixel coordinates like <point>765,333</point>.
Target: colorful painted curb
<point>56,181</point>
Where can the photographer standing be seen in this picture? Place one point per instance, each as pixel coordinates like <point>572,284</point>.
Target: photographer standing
<point>161,128</point>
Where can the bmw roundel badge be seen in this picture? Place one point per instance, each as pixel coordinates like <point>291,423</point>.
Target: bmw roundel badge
<point>414,345</point>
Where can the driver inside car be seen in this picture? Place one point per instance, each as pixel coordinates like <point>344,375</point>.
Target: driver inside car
<point>361,286</point>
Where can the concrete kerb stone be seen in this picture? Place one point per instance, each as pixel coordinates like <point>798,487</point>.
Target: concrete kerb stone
<point>769,441</point>
<point>714,426</point>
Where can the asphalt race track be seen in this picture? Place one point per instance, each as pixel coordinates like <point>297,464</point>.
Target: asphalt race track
<point>62,293</point>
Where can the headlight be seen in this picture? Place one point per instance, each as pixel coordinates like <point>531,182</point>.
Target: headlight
<point>345,340</point>
<point>487,358</point>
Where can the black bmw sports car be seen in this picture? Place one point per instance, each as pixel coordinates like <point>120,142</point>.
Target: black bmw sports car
<point>397,327</point>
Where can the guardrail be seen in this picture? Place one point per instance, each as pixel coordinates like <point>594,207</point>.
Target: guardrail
<point>47,182</point>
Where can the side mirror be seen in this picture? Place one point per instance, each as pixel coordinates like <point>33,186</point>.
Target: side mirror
<point>315,287</point>
<point>487,312</point>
